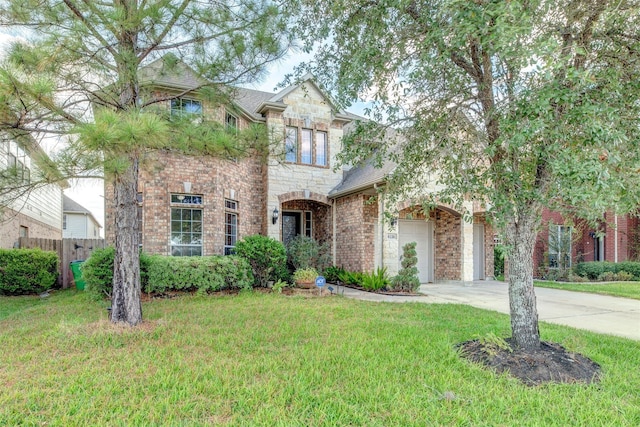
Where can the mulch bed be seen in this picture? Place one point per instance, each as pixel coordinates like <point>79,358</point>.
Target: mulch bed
<point>551,363</point>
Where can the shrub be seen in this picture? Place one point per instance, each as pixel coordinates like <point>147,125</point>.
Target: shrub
<point>305,252</point>
<point>160,273</point>
<point>407,278</point>
<point>204,274</point>
<point>630,267</point>
<point>624,276</point>
<point>332,273</point>
<point>305,275</point>
<point>27,271</point>
<point>376,280</point>
<point>350,277</point>
<point>499,252</point>
<point>97,272</point>
<point>266,256</point>
<point>594,269</point>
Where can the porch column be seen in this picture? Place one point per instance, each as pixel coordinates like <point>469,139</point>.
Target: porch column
<point>466,241</point>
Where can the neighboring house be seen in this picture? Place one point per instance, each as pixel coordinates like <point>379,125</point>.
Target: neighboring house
<point>563,243</point>
<point>194,205</point>
<point>78,222</point>
<point>37,213</point>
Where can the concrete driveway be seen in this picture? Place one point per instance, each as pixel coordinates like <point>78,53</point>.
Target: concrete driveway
<point>597,313</point>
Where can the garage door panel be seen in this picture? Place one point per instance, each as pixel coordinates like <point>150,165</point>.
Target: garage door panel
<point>420,232</point>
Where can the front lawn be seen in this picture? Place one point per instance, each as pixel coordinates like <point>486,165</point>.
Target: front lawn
<point>273,360</point>
<point>616,289</point>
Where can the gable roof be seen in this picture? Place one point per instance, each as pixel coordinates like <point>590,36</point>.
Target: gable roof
<point>71,206</point>
<point>179,76</point>
<point>362,177</point>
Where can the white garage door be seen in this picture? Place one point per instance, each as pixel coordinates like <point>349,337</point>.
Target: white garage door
<point>478,251</point>
<point>421,232</point>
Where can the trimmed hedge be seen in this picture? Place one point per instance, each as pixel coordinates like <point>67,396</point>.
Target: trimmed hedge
<point>27,271</point>
<point>204,274</point>
<point>160,273</point>
<point>596,270</point>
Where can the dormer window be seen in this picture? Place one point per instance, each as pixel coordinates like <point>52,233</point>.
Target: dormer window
<point>184,106</point>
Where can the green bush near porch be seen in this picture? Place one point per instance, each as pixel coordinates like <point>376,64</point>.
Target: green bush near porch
<point>161,273</point>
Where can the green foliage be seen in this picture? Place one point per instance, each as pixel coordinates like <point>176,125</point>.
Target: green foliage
<point>305,275</point>
<point>332,273</point>
<point>27,271</point>
<point>350,277</point>
<point>267,257</point>
<point>407,279</point>
<point>163,273</point>
<point>518,105</point>
<point>499,252</point>
<point>204,274</point>
<point>279,286</point>
<point>97,272</point>
<point>608,271</point>
<point>375,280</point>
<point>305,252</point>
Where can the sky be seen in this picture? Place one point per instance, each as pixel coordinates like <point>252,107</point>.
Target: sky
<point>90,192</point>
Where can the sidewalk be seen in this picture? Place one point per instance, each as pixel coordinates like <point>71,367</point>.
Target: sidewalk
<point>597,313</point>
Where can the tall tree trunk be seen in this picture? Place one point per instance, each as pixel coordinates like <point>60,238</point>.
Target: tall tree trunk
<point>125,300</point>
<point>521,237</point>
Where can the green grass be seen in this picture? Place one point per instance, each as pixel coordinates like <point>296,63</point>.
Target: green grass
<point>616,289</point>
<point>271,360</point>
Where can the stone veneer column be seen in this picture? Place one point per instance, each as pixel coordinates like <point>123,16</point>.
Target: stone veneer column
<point>466,240</point>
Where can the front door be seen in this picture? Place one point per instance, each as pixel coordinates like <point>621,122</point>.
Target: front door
<point>291,226</point>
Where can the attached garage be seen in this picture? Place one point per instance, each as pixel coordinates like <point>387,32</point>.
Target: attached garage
<point>421,232</point>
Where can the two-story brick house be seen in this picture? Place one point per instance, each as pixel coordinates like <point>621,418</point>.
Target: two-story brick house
<point>194,205</point>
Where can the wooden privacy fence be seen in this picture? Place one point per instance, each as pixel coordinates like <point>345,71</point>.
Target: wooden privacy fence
<point>67,249</point>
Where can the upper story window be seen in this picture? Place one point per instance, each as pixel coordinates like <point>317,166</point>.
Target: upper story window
<point>185,106</point>
<point>231,121</point>
<point>306,147</point>
<point>291,145</point>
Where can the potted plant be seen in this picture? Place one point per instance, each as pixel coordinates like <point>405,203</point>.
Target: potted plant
<point>305,277</point>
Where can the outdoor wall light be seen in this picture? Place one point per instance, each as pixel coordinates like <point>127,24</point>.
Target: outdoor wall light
<point>274,216</point>
<point>394,221</point>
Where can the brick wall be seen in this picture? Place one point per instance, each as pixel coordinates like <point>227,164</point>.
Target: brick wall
<point>10,222</point>
<point>355,243</point>
<point>214,179</point>
<point>447,246</point>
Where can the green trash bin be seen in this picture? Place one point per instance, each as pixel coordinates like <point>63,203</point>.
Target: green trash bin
<point>77,274</point>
